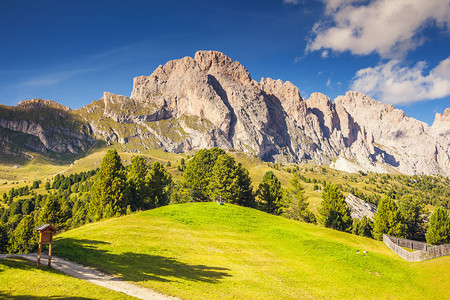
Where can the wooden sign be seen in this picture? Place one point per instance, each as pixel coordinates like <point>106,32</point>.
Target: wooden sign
<point>45,237</point>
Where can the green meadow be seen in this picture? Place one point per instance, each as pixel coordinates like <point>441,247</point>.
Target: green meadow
<point>20,279</point>
<point>210,251</point>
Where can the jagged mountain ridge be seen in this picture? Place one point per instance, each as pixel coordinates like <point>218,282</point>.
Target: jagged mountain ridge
<point>211,100</point>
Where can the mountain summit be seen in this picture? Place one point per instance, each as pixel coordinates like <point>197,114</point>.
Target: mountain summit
<point>212,101</point>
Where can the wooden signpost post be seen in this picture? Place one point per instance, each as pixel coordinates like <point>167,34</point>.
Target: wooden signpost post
<point>45,237</point>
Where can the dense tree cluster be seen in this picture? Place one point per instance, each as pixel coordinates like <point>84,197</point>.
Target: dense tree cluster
<point>61,207</point>
<point>213,175</point>
<point>117,191</point>
<point>73,200</point>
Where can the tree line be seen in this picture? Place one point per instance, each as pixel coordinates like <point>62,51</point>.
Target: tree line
<point>210,175</point>
<point>408,219</point>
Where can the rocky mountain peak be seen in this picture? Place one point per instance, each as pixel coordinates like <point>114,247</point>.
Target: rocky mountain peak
<point>36,104</point>
<point>281,90</point>
<point>215,62</point>
<point>211,100</point>
<point>356,102</point>
<point>320,101</point>
<point>444,117</point>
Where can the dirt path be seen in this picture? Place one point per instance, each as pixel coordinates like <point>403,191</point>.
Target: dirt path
<point>94,276</point>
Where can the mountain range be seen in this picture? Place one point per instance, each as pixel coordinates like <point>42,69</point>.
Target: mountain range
<point>212,101</point>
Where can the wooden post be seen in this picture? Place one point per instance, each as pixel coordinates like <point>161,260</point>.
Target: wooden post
<point>39,254</point>
<point>50,253</point>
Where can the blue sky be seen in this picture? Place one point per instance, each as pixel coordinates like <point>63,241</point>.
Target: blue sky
<point>396,51</point>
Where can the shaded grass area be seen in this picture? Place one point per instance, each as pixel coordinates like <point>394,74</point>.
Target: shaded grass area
<point>20,279</point>
<point>207,251</point>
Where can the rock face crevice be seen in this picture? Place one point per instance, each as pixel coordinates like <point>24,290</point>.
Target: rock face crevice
<point>223,95</point>
<point>212,101</point>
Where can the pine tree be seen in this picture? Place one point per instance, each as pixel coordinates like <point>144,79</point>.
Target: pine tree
<point>159,182</point>
<point>388,220</point>
<point>245,195</point>
<point>223,184</point>
<point>181,193</point>
<point>199,170</point>
<point>296,204</point>
<point>3,238</point>
<point>51,213</point>
<point>439,229</point>
<point>334,211</point>
<point>363,227</point>
<point>110,188</point>
<point>137,180</point>
<point>24,238</point>
<point>270,193</point>
<point>414,213</point>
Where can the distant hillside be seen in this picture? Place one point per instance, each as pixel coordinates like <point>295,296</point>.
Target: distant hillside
<point>209,251</point>
<point>211,100</point>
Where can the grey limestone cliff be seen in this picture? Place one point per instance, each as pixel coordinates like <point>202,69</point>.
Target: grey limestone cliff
<point>210,100</point>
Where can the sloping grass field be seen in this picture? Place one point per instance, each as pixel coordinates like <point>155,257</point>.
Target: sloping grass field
<point>210,251</point>
<point>20,279</point>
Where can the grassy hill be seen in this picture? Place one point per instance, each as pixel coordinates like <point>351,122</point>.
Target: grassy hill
<point>21,279</point>
<point>208,251</point>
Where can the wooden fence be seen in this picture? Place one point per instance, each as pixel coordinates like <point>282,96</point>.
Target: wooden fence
<point>423,251</point>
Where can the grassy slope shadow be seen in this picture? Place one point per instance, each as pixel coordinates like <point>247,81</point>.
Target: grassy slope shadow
<point>23,265</point>
<point>27,297</point>
<point>137,266</point>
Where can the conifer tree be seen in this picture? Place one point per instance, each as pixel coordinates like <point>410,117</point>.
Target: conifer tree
<point>270,193</point>
<point>414,213</point>
<point>51,212</point>
<point>334,211</point>
<point>245,195</point>
<point>388,220</point>
<point>439,230</point>
<point>3,238</point>
<point>24,237</point>
<point>159,182</point>
<point>296,204</point>
<point>363,227</point>
<point>181,193</point>
<point>139,187</point>
<point>110,193</point>
<point>199,171</point>
<point>223,183</point>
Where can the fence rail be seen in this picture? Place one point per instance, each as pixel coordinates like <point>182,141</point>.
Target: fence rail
<point>423,251</point>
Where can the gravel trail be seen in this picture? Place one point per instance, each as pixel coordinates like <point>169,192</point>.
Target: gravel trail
<point>94,276</point>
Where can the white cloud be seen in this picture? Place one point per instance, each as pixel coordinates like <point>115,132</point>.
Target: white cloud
<point>294,2</point>
<point>390,28</point>
<point>328,82</point>
<point>392,83</point>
